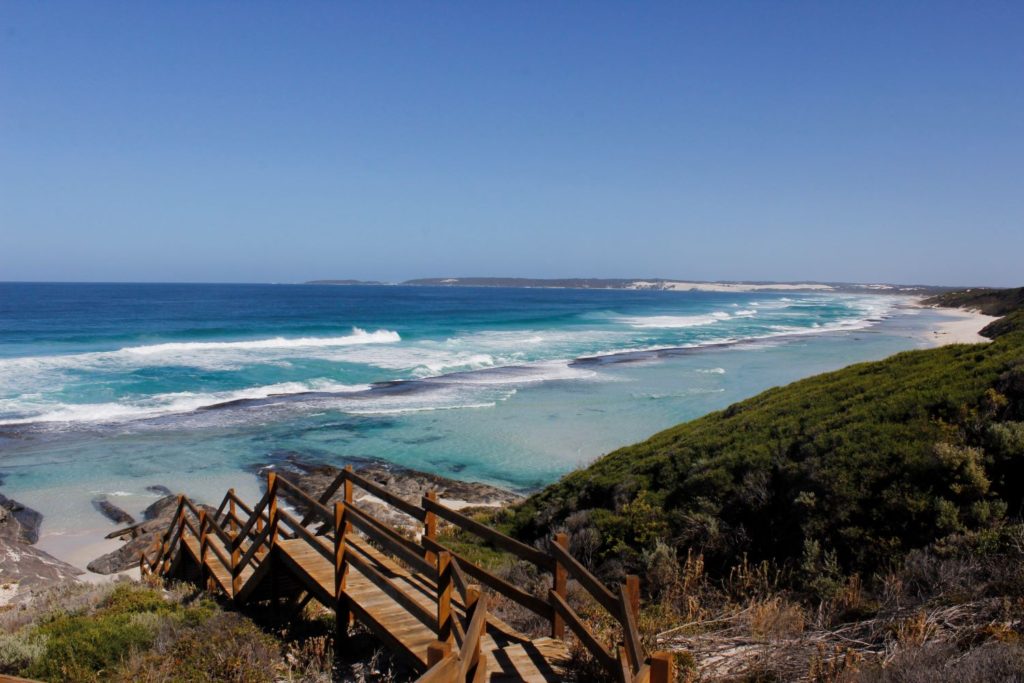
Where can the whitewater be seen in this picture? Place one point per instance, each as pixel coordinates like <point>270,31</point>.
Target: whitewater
<point>115,388</point>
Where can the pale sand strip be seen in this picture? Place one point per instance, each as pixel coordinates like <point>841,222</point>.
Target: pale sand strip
<point>81,547</point>
<point>959,327</point>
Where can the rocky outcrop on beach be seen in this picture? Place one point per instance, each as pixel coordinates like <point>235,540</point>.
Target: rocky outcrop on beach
<point>111,511</point>
<point>406,483</point>
<point>24,568</point>
<point>156,518</point>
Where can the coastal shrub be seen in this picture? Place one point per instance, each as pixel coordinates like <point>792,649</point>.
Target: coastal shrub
<point>128,598</point>
<point>867,462</point>
<point>224,647</point>
<point>20,649</point>
<point>82,648</point>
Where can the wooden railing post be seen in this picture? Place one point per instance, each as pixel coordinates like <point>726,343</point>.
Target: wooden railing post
<point>347,486</point>
<point>272,489</point>
<point>165,546</point>
<point>164,558</point>
<point>559,579</point>
<point>430,527</point>
<point>340,530</point>
<point>663,668</point>
<point>472,603</point>
<point>444,596</point>
<point>204,543</point>
<point>342,614</point>
<point>236,546</point>
<point>633,591</point>
<point>629,602</point>
<point>233,512</point>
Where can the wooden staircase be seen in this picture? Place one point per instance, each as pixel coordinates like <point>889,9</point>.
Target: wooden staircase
<point>415,595</point>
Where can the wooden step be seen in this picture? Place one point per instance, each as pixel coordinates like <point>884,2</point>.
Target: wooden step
<point>536,661</point>
<point>216,568</point>
<point>385,615</point>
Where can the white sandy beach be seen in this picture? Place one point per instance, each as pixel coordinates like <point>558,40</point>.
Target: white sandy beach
<point>959,327</point>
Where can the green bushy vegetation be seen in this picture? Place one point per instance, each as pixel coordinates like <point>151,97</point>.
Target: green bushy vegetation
<point>129,631</point>
<point>989,301</point>
<point>134,632</point>
<point>839,473</point>
<point>862,525</point>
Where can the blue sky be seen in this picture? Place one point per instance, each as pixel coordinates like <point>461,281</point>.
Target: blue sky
<point>251,141</point>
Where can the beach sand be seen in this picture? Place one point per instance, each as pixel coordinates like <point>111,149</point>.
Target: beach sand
<point>79,548</point>
<point>959,327</point>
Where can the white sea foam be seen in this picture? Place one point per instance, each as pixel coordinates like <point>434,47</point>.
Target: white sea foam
<point>712,371</point>
<point>358,337</point>
<point>161,404</point>
<point>673,321</point>
<point>530,373</point>
<point>28,370</point>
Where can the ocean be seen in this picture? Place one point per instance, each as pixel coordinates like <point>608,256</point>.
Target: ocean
<point>107,389</point>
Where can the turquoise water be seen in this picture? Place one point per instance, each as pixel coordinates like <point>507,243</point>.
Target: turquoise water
<point>107,389</point>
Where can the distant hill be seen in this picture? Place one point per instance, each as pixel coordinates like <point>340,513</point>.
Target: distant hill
<point>860,465</point>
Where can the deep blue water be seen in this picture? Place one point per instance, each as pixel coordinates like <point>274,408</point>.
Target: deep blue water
<point>105,389</point>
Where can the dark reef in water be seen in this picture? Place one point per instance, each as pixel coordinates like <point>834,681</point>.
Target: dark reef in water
<point>111,511</point>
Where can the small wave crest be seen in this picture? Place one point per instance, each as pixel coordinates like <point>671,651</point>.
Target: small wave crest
<point>163,404</point>
<point>357,337</point>
<point>674,321</point>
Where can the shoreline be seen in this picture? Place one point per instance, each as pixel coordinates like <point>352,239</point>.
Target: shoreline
<point>961,327</point>
<point>78,547</point>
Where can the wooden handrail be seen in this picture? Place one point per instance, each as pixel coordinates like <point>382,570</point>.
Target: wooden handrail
<point>589,582</point>
<point>469,653</point>
<point>174,517</point>
<point>256,514</point>
<point>217,529</point>
<point>220,555</point>
<point>442,671</point>
<point>314,505</point>
<point>239,502</point>
<point>257,543</point>
<point>411,509</point>
<point>507,543</point>
<point>186,522</point>
<point>239,542</point>
<point>325,497</point>
<point>527,600</point>
<point>223,504</point>
<point>596,648</point>
<point>394,542</point>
